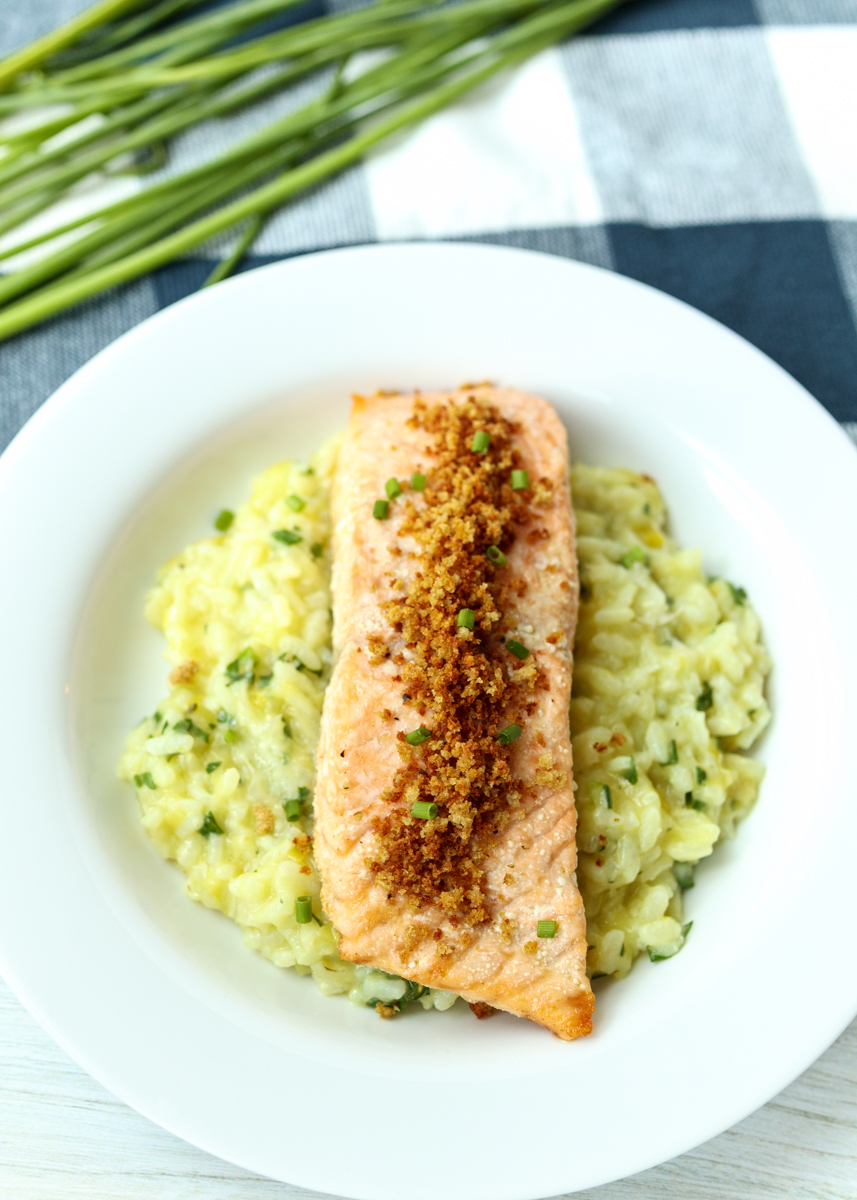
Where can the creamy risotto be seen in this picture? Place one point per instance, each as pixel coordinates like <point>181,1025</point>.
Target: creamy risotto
<point>669,677</point>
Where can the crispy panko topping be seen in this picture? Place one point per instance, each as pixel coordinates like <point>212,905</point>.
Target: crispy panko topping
<point>461,682</point>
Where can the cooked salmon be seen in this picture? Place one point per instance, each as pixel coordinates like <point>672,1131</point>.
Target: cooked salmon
<point>444,808</point>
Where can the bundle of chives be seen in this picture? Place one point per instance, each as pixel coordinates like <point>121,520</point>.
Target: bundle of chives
<point>129,76</point>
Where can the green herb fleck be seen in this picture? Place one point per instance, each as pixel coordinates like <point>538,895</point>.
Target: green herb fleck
<point>520,481</point>
<point>293,809</point>
<point>393,488</point>
<point>145,780</point>
<point>303,793</point>
<point>424,809</point>
<point>224,519</point>
<point>634,555</point>
<point>210,826</point>
<point>289,537</point>
<point>685,929</point>
<point>187,726</point>
<point>242,667</point>
<point>212,766</point>
<point>226,718</point>
<point>466,618</point>
<point>519,651</point>
<point>673,755</point>
<point>701,775</point>
<point>295,503</point>
<point>264,680</point>
<point>684,875</point>
<point>630,773</point>
<point>316,549</point>
<point>417,736</point>
<point>481,441</point>
<point>546,929</point>
<point>739,595</point>
<point>230,735</point>
<point>607,794</point>
<point>287,729</point>
<point>705,699</point>
<point>381,510</point>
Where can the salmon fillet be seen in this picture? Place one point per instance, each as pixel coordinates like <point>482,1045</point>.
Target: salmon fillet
<point>450,894</point>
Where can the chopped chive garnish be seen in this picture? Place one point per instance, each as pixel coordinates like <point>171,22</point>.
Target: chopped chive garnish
<point>699,805</point>
<point>210,825</point>
<point>230,735</point>
<point>546,929</point>
<point>685,929</point>
<point>417,736</point>
<point>424,809</point>
<point>293,810</point>
<point>287,729</point>
<point>654,956</point>
<point>212,767</point>
<point>701,775</point>
<point>634,555</point>
<point>509,734</point>
<point>303,910</point>
<point>705,699</point>
<point>607,794</point>
<point>519,651</point>
<point>481,441</point>
<point>631,773</point>
<point>393,488</point>
<point>738,593</point>
<point>316,549</point>
<point>144,780</point>
<point>466,618</point>
<point>303,793</point>
<point>226,718</point>
<point>224,519</point>
<point>295,503</point>
<point>520,481</point>
<point>381,510</point>
<point>242,667</point>
<point>288,536</point>
<point>187,726</point>
<point>673,755</point>
<point>683,875</point>
<point>264,680</point>
<point>496,556</point>
<point>418,482</point>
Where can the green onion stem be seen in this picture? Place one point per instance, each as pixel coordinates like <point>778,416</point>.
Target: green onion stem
<point>36,53</point>
<point>228,264</point>
<point>98,44</point>
<point>514,45</point>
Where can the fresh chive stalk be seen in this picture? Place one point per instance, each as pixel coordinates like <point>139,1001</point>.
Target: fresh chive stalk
<point>303,910</point>
<point>393,488</point>
<point>516,648</point>
<point>509,734</point>
<point>481,442</point>
<point>546,929</point>
<point>466,618</point>
<point>152,74</point>
<point>496,556</point>
<point>417,736</point>
<point>520,481</point>
<point>418,482</point>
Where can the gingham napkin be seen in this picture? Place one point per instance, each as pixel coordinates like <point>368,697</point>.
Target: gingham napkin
<point>707,147</point>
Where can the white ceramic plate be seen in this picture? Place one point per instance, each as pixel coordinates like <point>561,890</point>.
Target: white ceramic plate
<point>158,998</point>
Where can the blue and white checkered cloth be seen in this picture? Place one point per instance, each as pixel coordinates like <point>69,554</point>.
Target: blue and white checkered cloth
<point>707,147</point>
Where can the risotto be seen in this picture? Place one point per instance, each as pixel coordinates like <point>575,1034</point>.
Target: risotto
<point>669,678</point>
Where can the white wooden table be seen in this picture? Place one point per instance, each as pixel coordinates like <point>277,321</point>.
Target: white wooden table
<point>62,1136</point>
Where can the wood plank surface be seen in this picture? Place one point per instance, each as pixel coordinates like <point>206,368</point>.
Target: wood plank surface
<point>63,1137</point>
